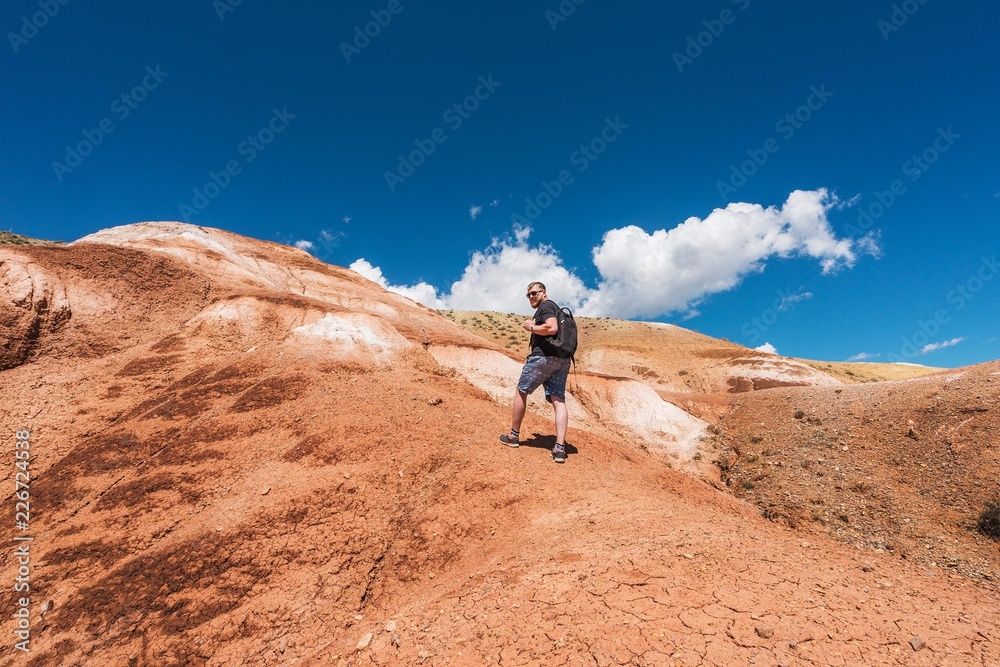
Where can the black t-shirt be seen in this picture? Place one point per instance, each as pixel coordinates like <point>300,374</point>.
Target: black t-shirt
<point>540,345</point>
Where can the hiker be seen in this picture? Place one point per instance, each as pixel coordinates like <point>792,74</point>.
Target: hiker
<point>547,366</point>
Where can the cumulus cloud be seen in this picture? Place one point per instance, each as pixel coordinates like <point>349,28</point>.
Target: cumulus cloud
<point>646,274</point>
<point>497,277</point>
<point>302,244</point>
<point>347,219</point>
<point>931,347</point>
<point>474,211</point>
<point>421,292</point>
<point>862,356</point>
<point>767,347</point>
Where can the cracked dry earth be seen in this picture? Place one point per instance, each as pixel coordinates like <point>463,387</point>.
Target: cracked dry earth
<point>242,456</point>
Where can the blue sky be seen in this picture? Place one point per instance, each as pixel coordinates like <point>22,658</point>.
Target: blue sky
<point>282,122</point>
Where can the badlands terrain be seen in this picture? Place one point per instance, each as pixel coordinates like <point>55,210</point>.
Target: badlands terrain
<point>244,456</point>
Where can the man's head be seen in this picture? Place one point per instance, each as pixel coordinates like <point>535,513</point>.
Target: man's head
<point>536,294</point>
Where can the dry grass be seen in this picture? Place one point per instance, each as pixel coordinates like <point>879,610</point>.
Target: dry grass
<point>858,372</point>
<point>10,238</point>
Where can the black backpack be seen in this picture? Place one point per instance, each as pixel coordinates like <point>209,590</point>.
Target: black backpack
<point>565,340</point>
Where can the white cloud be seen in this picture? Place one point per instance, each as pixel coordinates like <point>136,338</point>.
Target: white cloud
<point>647,275</point>
<point>304,245</point>
<point>495,202</point>
<point>421,292</point>
<point>497,277</point>
<point>788,301</point>
<point>931,347</point>
<point>862,356</point>
<point>474,211</point>
<point>767,347</point>
<point>347,219</point>
<point>651,274</point>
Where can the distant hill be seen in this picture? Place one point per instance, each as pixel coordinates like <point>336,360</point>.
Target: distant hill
<point>9,238</point>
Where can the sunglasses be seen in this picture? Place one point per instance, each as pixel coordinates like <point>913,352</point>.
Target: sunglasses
<point>532,295</point>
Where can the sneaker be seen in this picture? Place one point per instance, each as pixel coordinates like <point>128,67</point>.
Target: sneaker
<point>509,441</point>
<point>559,454</point>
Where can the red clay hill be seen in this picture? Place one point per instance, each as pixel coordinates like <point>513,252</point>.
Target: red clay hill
<point>243,456</point>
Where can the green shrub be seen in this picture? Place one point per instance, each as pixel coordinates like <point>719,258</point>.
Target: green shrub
<point>989,521</point>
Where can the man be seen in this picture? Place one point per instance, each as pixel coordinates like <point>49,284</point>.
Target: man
<point>543,367</point>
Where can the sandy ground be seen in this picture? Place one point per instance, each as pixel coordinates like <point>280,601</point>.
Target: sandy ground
<point>242,456</point>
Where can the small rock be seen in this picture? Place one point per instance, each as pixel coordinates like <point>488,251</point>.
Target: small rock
<point>390,626</point>
<point>917,643</point>
<point>394,640</point>
<point>764,631</point>
<point>266,490</point>
<point>365,641</point>
<point>434,401</point>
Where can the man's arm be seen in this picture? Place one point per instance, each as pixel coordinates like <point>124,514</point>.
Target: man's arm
<point>550,327</point>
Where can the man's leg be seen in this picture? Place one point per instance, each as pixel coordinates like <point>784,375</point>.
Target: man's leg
<point>562,419</point>
<point>517,410</point>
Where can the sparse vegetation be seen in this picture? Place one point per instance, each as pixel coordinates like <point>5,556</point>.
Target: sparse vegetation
<point>756,439</point>
<point>799,414</point>
<point>682,372</point>
<point>10,238</point>
<point>989,521</point>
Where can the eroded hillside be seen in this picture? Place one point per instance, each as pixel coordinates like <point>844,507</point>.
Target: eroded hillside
<point>241,455</point>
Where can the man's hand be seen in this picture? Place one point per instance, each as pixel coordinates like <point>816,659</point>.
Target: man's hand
<point>527,324</point>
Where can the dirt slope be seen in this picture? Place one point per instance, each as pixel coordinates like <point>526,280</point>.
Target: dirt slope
<point>905,467</point>
<point>242,456</point>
